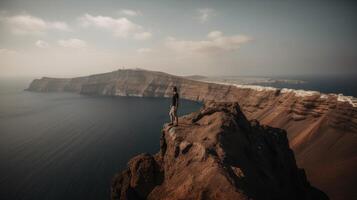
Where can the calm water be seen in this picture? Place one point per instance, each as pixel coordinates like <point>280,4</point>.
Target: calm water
<point>346,85</point>
<point>67,146</point>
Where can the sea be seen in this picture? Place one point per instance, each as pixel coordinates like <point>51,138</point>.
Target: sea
<point>69,146</point>
<point>337,84</point>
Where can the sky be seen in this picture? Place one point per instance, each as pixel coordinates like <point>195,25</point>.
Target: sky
<point>70,38</point>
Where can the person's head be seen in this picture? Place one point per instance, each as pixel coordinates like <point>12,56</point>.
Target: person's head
<point>174,89</point>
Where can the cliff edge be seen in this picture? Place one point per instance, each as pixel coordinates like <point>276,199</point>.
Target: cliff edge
<point>216,153</point>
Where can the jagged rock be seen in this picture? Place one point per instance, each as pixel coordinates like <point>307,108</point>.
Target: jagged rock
<point>216,153</point>
<point>137,181</point>
<point>185,147</point>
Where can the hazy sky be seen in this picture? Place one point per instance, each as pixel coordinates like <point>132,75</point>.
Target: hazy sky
<point>70,38</point>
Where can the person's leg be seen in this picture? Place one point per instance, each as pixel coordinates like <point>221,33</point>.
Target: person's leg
<point>176,117</point>
<point>171,116</point>
<point>176,120</point>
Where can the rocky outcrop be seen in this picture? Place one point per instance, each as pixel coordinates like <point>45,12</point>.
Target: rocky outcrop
<point>322,128</point>
<point>216,153</point>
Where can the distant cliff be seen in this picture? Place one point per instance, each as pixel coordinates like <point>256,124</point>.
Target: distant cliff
<point>322,128</point>
<point>216,153</point>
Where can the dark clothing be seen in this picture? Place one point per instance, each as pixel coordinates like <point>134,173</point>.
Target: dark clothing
<point>175,99</point>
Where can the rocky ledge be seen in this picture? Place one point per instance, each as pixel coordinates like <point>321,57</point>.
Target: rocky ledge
<point>216,153</point>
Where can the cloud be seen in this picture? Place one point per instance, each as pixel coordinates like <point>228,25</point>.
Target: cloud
<point>42,44</point>
<point>204,14</point>
<point>31,25</point>
<point>120,27</point>
<point>215,42</point>
<point>144,50</point>
<point>214,34</point>
<point>142,36</point>
<point>62,26</point>
<point>7,51</point>
<point>131,13</point>
<point>73,43</point>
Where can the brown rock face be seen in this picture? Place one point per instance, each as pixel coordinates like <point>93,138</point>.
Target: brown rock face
<point>216,153</point>
<point>322,130</point>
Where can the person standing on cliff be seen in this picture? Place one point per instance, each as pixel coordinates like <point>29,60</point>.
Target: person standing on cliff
<point>174,106</point>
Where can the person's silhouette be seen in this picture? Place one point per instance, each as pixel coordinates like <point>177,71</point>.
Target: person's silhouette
<point>174,106</point>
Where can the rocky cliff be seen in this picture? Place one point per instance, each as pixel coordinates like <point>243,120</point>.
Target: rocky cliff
<point>216,153</point>
<point>322,128</point>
